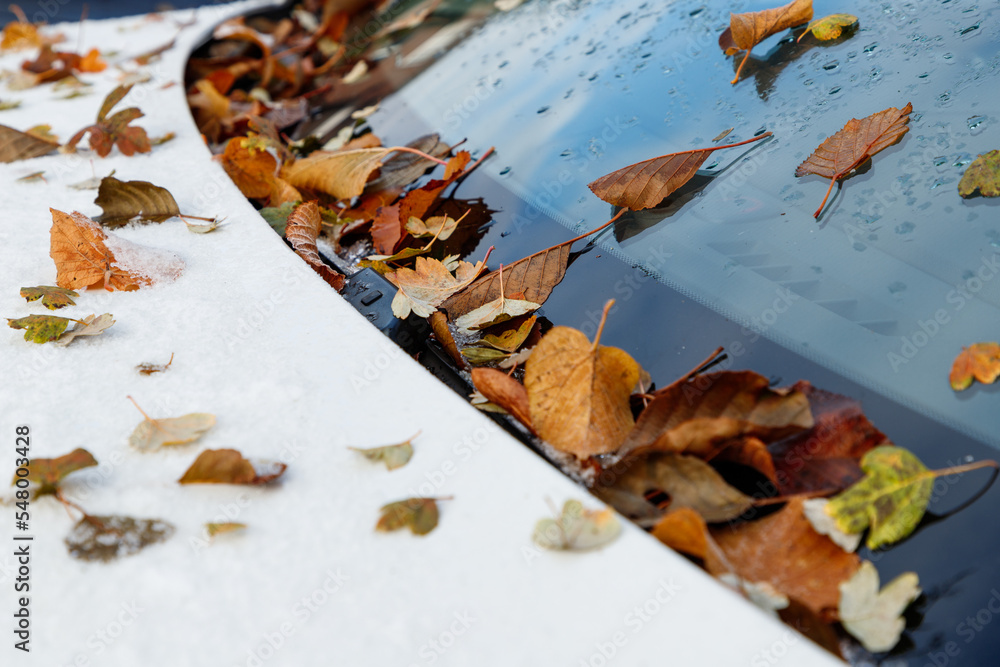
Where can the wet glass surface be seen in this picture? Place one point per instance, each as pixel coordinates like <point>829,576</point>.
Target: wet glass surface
<point>894,278</point>
<point>569,91</point>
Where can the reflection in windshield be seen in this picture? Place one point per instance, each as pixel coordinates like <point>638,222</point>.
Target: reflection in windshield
<point>886,287</point>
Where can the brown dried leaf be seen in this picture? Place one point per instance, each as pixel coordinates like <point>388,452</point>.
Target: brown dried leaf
<point>784,550</point>
<point>534,277</point>
<point>123,201</point>
<point>751,28</point>
<point>105,538</point>
<point>17,145</point>
<point>115,130</point>
<point>341,174</point>
<point>855,143</point>
<point>301,230</point>
<point>423,288</point>
<point>578,392</point>
<point>689,481</point>
<point>227,466</point>
<point>504,391</point>
<point>645,184</point>
<point>699,417</point>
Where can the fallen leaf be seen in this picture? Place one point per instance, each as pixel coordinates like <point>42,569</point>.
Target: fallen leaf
<point>750,452</point>
<point>90,183</point>
<point>394,456</point>
<point>439,227</point>
<point>645,184</point>
<point>512,337</point>
<point>105,538</point>
<point>227,466</point>
<point>824,524</point>
<point>52,297</point>
<point>825,457</point>
<point>983,175</point>
<point>108,132</point>
<point>495,312</point>
<point>685,531</point>
<point>892,497</point>
<point>301,229</point>
<point>20,35</point>
<point>505,391</point>
<point>340,174</point>
<point>578,391</point>
<point>48,473</point>
<point>40,328</point>
<point>699,416</point>
<point>577,528</point>
<point>483,355</point>
<point>419,514</point>
<point>980,361</point>
<point>152,433</point>
<point>85,255</point>
<point>829,27</point>
<point>784,550</point>
<point>425,287</point>
<point>214,529</point>
<point>751,28</point>
<point>203,228</point>
<point>91,325</point>
<point>17,145</point>
<point>688,481</point>
<point>6,106</point>
<point>874,617</point>
<point>534,277</point>
<point>855,143</point>
<point>253,171</point>
<point>36,176</point>
<point>439,325</point>
<point>149,368</point>
<point>277,216</point>
<point>126,201</point>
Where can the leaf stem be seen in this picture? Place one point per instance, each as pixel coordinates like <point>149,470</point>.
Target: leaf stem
<point>828,190</point>
<point>740,68</point>
<point>407,149</point>
<point>583,236</point>
<point>957,470</point>
<point>600,327</point>
<point>777,500</point>
<point>140,409</point>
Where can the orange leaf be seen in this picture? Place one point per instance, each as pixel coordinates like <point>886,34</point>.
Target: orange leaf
<point>747,30</point>
<point>303,226</point>
<point>855,143</point>
<point>645,184</point>
<point>91,62</point>
<point>578,391</point>
<point>503,390</point>
<point>251,170</point>
<point>785,551</point>
<point>980,361</point>
<point>80,250</point>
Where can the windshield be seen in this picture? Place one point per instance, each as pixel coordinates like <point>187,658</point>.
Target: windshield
<point>895,276</point>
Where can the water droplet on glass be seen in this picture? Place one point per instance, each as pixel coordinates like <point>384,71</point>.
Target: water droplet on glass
<point>870,49</point>
<point>940,160</point>
<point>970,29</point>
<point>505,171</point>
<point>832,65</point>
<point>905,227</point>
<point>503,64</point>
<point>834,90</point>
<point>542,110</point>
<point>976,124</point>
<point>897,287</point>
<point>961,160</point>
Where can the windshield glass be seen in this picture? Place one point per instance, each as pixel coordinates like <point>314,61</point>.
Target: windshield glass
<point>885,287</point>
